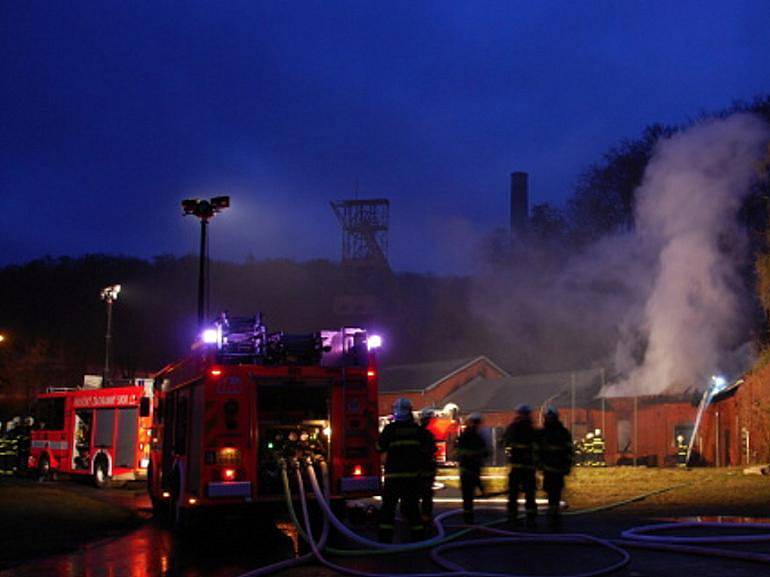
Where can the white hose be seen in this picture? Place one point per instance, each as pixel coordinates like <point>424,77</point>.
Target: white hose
<point>638,537</point>
<point>288,563</point>
<point>644,533</point>
<point>641,538</point>
<point>454,569</point>
<point>342,528</point>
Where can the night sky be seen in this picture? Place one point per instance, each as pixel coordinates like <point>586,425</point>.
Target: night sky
<point>112,112</point>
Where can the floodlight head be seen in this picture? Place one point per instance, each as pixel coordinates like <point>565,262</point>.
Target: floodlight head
<point>220,202</point>
<point>110,293</point>
<point>189,205</point>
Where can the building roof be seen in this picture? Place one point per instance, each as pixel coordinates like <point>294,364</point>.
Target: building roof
<point>505,394</point>
<point>421,377</point>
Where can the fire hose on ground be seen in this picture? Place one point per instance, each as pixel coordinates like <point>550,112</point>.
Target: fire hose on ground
<point>638,537</point>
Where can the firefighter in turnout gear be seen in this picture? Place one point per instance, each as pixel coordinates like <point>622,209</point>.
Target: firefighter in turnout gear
<point>554,457</point>
<point>597,458</point>
<point>9,449</point>
<point>428,474</point>
<point>519,442</point>
<point>22,435</point>
<point>471,452</point>
<point>587,447</point>
<point>681,451</point>
<point>403,442</point>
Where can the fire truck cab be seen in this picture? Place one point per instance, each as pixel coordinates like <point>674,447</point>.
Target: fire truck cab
<point>247,401</point>
<point>101,433</point>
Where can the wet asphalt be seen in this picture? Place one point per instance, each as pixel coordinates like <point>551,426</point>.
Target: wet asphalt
<point>231,547</point>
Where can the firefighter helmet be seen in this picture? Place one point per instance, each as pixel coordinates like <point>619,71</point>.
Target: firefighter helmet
<point>474,418</point>
<point>524,409</point>
<point>402,409</point>
<point>427,413</point>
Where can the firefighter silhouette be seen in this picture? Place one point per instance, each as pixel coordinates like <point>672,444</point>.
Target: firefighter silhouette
<point>519,440</point>
<point>403,443</point>
<point>471,452</point>
<point>554,458</point>
<point>428,473</point>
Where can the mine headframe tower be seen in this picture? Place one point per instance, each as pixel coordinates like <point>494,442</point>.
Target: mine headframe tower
<point>364,232</point>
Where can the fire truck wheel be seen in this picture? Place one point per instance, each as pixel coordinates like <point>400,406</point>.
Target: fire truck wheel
<point>101,473</point>
<point>182,518</point>
<point>158,508</point>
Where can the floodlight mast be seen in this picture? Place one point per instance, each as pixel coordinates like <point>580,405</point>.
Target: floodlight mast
<point>204,210</point>
<point>109,295</point>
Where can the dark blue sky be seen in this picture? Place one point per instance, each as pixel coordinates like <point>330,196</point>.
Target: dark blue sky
<point>112,112</point>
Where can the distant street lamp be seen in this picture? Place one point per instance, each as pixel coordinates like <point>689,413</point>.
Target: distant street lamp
<point>204,210</point>
<point>109,295</point>
<point>2,337</point>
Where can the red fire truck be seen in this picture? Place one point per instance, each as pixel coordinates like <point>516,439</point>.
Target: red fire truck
<point>247,400</point>
<point>101,433</point>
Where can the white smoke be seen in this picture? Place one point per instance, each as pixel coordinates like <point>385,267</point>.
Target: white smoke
<point>665,305</point>
<point>694,320</point>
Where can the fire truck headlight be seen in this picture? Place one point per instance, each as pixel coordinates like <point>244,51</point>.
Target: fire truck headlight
<point>229,456</point>
<point>144,463</point>
<point>166,494</point>
<point>192,500</point>
<point>374,342</point>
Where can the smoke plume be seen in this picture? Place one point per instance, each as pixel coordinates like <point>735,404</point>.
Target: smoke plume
<point>694,320</point>
<point>664,306</point>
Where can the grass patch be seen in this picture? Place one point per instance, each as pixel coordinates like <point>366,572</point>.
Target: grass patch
<point>707,491</point>
<point>39,519</point>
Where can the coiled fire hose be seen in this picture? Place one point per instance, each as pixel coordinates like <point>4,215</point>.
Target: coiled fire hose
<point>634,538</point>
<point>645,538</point>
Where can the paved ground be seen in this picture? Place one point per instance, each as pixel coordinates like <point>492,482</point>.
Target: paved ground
<point>229,548</point>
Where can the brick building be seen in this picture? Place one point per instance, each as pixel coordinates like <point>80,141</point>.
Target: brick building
<point>734,429</point>
<point>430,384</point>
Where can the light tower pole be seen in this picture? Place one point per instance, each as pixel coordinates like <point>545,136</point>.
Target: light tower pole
<point>109,295</point>
<point>204,210</point>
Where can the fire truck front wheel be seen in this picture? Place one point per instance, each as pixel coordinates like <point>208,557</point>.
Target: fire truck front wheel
<point>182,518</point>
<point>101,473</point>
